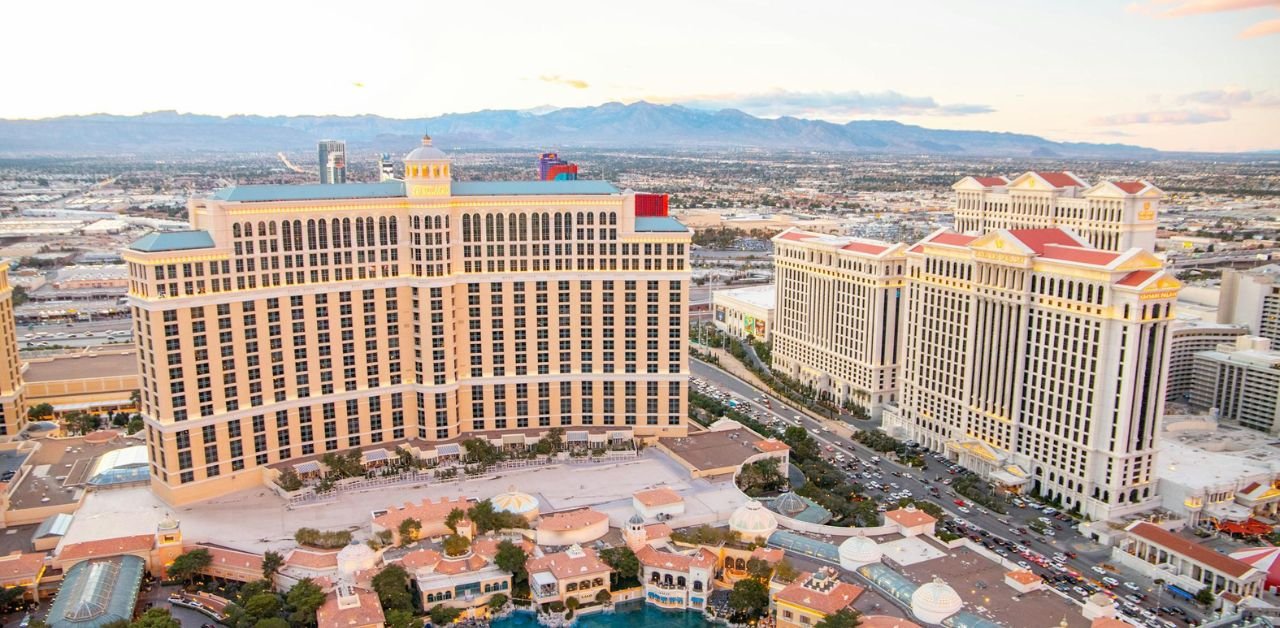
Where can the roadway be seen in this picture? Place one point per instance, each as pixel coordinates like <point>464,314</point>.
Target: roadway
<point>834,438</point>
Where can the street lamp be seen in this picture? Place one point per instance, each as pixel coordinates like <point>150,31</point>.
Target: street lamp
<point>1159,582</point>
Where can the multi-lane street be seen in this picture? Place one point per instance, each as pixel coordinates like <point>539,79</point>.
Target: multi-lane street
<point>1078,554</point>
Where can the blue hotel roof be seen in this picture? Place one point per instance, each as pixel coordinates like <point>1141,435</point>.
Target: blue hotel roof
<point>161,241</point>
<point>660,224</point>
<point>396,189</point>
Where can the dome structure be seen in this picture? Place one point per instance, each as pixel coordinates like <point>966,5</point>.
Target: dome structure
<point>516,503</point>
<point>426,152</point>
<point>121,466</point>
<point>167,524</point>
<point>857,551</point>
<point>636,520</point>
<point>752,520</point>
<point>789,504</point>
<point>1264,559</point>
<point>356,557</point>
<point>935,601</point>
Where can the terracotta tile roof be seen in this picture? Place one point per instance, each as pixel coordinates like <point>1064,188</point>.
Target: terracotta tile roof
<point>563,565</point>
<point>20,565</point>
<point>838,597</point>
<point>570,520</point>
<point>951,239</point>
<point>1108,622</point>
<point>657,531</point>
<point>1023,576</point>
<point>658,496</point>
<point>367,613</point>
<point>916,249</point>
<point>1038,239</point>
<point>910,518</point>
<point>1062,179</point>
<point>991,182</point>
<point>771,444</point>
<point>672,561</point>
<point>796,236</point>
<point>1188,548</point>
<point>1079,255</point>
<point>1250,488</point>
<point>419,559</point>
<point>1136,278</point>
<point>229,558</point>
<point>107,547</point>
<point>1130,187</point>
<point>865,247</point>
<point>487,546</point>
<point>769,555</point>
<point>426,513</point>
<point>312,559</point>
<point>455,566</point>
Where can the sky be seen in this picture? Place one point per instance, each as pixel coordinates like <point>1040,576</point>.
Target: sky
<point>1198,75</point>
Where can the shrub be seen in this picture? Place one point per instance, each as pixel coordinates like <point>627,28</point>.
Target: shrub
<point>327,539</point>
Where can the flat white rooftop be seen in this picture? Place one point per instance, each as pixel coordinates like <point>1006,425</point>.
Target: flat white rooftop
<point>764,297</point>
<point>257,520</point>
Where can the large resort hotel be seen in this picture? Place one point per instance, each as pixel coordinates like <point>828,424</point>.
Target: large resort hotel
<point>296,320</point>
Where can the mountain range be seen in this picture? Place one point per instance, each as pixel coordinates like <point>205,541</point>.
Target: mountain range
<point>611,125</point>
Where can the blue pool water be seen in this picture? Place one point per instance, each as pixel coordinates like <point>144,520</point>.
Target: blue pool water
<point>628,616</point>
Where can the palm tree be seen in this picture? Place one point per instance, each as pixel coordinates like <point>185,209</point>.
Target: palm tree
<point>271,563</point>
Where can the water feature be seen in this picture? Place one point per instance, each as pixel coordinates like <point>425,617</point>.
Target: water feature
<point>627,615</point>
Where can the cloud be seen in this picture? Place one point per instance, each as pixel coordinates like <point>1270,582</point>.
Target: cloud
<point>781,102</point>
<point>1183,8</point>
<point>1229,98</point>
<point>558,80</point>
<point>1269,27</point>
<point>1192,116</point>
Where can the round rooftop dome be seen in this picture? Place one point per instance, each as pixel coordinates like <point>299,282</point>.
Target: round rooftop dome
<point>789,504</point>
<point>515,502</point>
<point>636,520</point>
<point>935,601</point>
<point>857,551</point>
<point>356,557</point>
<point>752,520</point>
<point>426,152</point>
<point>168,523</point>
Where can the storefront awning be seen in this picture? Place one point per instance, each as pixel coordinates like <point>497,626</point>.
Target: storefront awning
<point>576,437</point>
<point>374,455</point>
<point>449,449</point>
<point>310,466</point>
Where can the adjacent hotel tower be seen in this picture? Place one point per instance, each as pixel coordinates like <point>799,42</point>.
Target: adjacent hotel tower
<point>837,315</point>
<point>13,406</point>
<point>1037,361</point>
<point>1111,215</point>
<point>298,320</point>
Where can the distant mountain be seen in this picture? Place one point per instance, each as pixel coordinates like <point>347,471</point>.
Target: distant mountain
<point>612,125</point>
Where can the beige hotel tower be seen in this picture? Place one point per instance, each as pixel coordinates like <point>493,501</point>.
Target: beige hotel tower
<point>297,320</point>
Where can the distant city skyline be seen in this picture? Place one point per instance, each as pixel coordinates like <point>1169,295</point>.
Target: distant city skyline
<point>1195,75</point>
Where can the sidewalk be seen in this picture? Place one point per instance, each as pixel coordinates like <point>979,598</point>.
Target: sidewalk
<point>732,366</point>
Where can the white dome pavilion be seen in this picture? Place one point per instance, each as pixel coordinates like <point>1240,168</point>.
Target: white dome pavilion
<point>857,551</point>
<point>935,601</point>
<point>752,520</point>
<point>516,503</point>
<point>356,557</point>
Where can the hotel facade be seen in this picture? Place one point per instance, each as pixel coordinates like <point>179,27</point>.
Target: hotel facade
<point>837,315</point>
<point>1109,215</point>
<point>292,321</point>
<point>1037,361</point>
<point>13,405</point>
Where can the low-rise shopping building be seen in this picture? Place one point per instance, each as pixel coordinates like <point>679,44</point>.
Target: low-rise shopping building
<point>742,312</point>
<point>812,597</point>
<point>575,572</point>
<point>1181,562</point>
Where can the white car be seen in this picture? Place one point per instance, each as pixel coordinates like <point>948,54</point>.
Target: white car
<point>1098,570</point>
<point>963,510</point>
<point>1131,586</point>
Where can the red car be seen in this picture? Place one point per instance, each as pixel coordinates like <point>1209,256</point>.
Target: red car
<point>960,503</point>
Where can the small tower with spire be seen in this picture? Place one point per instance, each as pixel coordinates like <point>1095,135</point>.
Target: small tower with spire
<point>634,534</point>
<point>427,170</point>
<point>168,543</point>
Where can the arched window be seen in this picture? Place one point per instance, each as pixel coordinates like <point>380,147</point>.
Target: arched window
<point>392,232</point>
<point>297,235</point>
<point>546,226</point>
<point>311,234</point>
<point>498,230</point>
<point>512,229</point>
<point>559,227</point>
<point>488,228</point>
<point>286,235</point>
<point>346,232</point>
<point>262,229</point>
<point>437,222</point>
<point>368,230</point>
<point>382,230</point>
<point>359,231</point>
<point>537,232</point>
<point>324,234</point>
<point>235,230</point>
<point>335,226</point>
<point>271,227</point>
<point>524,228</point>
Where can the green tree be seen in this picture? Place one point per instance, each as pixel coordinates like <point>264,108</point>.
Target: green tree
<point>303,600</point>
<point>749,598</point>
<point>603,597</point>
<point>785,572</point>
<point>80,422</point>
<point>442,615</point>
<point>392,586</point>
<point>456,545</point>
<point>452,519</point>
<point>9,596</point>
<point>402,618</point>
<point>39,411</point>
<point>626,567</point>
<point>499,601</point>
<point>134,425</point>
<point>271,563</point>
<point>511,559</point>
<point>759,569</point>
<point>482,452</point>
<point>843,618</point>
<point>572,603</point>
<point>263,605</point>
<point>1205,596</point>
<point>289,480</point>
<point>118,623</point>
<point>487,519</point>
<point>271,622</point>
<point>550,443</point>
<point>187,564</point>
<point>409,530</point>
<point>156,617</point>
